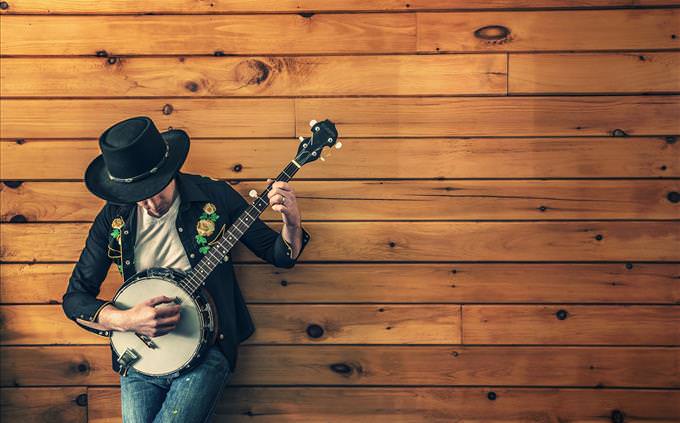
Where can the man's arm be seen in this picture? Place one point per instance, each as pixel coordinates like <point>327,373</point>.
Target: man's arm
<point>282,249</point>
<point>80,302</point>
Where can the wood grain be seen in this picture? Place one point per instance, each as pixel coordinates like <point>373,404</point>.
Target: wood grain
<point>641,72</point>
<point>255,76</point>
<point>339,33</point>
<point>277,324</point>
<point>396,200</point>
<point>366,365</point>
<point>410,241</point>
<point>436,158</point>
<point>424,404</point>
<point>269,6</point>
<point>398,283</point>
<point>354,117</point>
<point>44,404</point>
<point>550,30</point>
<point>542,324</point>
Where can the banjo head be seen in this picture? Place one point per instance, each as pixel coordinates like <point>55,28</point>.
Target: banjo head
<point>169,352</point>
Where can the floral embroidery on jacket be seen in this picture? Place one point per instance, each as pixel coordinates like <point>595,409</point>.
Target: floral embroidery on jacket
<point>206,227</point>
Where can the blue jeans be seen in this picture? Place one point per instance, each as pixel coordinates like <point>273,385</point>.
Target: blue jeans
<point>188,398</point>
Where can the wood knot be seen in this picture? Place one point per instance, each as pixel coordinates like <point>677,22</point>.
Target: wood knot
<point>617,416</point>
<point>314,331</point>
<point>306,15</point>
<point>493,34</point>
<point>102,53</point>
<point>83,367</point>
<point>237,168</point>
<point>629,266</point>
<point>673,196</point>
<point>13,184</point>
<point>112,60</point>
<point>619,133</point>
<point>252,72</point>
<point>81,400</point>
<point>491,396</point>
<point>284,282</point>
<point>561,314</point>
<point>168,109</point>
<point>4,5</point>
<point>191,86</point>
<point>342,368</point>
<point>19,218</point>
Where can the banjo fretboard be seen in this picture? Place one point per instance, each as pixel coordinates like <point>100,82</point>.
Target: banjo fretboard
<point>197,276</point>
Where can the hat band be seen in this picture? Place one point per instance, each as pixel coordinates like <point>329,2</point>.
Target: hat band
<point>148,172</point>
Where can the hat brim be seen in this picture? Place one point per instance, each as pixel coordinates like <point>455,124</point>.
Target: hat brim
<point>98,182</point>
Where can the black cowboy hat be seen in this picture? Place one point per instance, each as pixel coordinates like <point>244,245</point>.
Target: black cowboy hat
<point>137,161</point>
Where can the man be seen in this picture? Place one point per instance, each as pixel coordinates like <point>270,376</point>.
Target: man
<point>155,217</point>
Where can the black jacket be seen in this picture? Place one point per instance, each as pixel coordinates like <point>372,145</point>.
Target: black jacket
<point>101,248</point>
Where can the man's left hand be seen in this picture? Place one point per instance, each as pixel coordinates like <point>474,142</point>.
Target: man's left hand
<point>282,199</point>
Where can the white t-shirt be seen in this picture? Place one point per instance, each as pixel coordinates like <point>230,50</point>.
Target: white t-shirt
<point>158,243</point>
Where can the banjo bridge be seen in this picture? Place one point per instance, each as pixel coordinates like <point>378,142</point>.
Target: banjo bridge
<point>147,341</point>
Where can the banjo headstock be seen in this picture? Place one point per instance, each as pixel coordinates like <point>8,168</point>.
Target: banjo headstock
<point>324,134</point>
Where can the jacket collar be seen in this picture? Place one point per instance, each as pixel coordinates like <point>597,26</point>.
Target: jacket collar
<point>188,190</point>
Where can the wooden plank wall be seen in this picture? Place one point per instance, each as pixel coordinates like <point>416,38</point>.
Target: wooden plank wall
<point>499,238</point>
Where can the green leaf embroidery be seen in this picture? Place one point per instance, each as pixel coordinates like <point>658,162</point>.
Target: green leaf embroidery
<point>115,233</point>
<point>204,249</point>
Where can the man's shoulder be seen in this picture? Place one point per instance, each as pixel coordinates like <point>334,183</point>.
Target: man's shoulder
<point>210,185</point>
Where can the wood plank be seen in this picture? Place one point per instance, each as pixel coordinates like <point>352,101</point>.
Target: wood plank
<point>420,404</point>
<point>269,6</point>
<point>89,118</point>
<point>354,117</point>
<point>580,324</point>
<point>68,405</point>
<point>574,30</point>
<point>378,200</point>
<point>368,365</point>
<point>409,241</point>
<point>47,283</point>
<point>237,159</point>
<point>228,34</point>
<point>339,33</point>
<point>255,76</point>
<point>276,324</point>
<point>636,72</point>
<point>402,283</point>
<point>501,116</point>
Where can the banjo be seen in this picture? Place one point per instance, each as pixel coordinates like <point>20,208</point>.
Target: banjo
<point>179,350</point>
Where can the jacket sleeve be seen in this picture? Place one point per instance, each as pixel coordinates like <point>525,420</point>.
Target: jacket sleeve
<point>261,239</point>
<point>80,299</point>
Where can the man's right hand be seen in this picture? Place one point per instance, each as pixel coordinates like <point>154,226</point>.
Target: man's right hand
<point>144,318</point>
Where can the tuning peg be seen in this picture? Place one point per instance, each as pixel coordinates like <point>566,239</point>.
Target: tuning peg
<point>322,159</point>
<point>312,122</point>
<point>301,138</point>
<point>338,145</point>
<point>253,193</point>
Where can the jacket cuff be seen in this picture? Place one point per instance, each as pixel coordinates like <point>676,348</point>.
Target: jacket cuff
<point>90,312</point>
<point>284,251</point>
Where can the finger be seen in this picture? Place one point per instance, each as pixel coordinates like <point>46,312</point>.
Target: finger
<point>279,208</point>
<point>158,300</point>
<point>167,311</point>
<point>281,184</point>
<point>168,321</point>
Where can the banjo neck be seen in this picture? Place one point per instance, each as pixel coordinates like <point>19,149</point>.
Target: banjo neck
<point>197,276</point>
